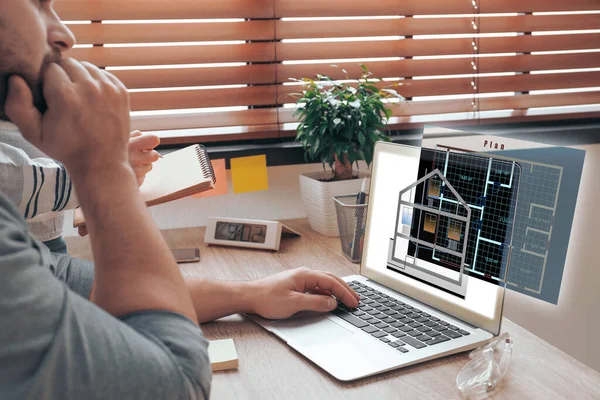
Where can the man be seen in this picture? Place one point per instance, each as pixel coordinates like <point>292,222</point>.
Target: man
<point>138,335</point>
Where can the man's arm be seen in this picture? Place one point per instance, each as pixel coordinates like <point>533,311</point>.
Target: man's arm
<point>35,185</point>
<point>87,127</point>
<point>55,344</point>
<point>277,296</point>
<point>38,184</point>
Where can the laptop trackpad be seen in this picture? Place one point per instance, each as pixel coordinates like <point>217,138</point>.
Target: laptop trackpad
<point>316,329</point>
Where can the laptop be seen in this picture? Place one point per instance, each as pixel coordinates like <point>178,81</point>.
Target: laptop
<point>436,251</point>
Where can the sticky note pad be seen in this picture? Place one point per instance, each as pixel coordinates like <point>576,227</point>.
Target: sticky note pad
<point>222,355</point>
<point>249,174</point>
<point>221,175</point>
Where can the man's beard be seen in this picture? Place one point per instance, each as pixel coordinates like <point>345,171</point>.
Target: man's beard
<point>33,80</point>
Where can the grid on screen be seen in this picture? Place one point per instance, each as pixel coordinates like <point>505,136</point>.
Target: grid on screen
<point>486,185</point>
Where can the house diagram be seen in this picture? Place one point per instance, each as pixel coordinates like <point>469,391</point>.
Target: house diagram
<point>457,216</point>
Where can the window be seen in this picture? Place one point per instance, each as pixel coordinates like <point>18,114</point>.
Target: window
<point>201,70</point>
<point>454,230</point>
<point>434,188</point>
<point>430,223</point>
<point>407,215</point>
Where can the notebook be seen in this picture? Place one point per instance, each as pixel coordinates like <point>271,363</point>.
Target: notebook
<point>178,174</point>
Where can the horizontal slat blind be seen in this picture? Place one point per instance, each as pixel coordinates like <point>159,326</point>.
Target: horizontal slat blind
<point>189,64</point>
<point>455,61</point>
<point>182,32</point>
<point>220,70</point>
<point>98,10</point>
<point>435,47</point>
<point>543,29</point>
<point>334,8</point>
<point>398,40</point>
<point>440,26</point>
<point>163,55</point>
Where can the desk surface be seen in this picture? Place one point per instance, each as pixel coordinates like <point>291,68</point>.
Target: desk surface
<point>270,370</point>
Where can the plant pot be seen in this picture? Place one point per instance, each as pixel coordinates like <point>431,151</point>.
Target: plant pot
<point>317,197</point>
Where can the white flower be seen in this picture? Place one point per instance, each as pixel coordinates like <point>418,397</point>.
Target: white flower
<point>355,103</point>
<point>337,121</point>
<point>351,89</point>
<point>333,102</point>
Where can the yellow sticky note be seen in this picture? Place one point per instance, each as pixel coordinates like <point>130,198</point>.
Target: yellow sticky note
<point>249,174</point>
<point>221,175</point>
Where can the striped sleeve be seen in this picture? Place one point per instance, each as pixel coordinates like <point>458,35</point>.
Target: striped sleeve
<point>35,185</point>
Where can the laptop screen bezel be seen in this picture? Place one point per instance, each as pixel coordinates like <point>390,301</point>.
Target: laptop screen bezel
<point>429,297</point>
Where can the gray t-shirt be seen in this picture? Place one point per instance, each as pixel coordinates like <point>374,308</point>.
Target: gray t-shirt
<point>55,344</point>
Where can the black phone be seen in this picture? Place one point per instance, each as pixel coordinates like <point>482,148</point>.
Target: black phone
<point>186,255</point>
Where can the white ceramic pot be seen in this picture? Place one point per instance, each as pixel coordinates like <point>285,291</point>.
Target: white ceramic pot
<point>317,197</point>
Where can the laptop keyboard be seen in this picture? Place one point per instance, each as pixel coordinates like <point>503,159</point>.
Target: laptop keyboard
<point>394,322</point>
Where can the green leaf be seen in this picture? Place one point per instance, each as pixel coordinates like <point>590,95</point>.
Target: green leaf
<point>361,139</point>
<point>374,137</point>
<point>323,129</point>
<point>341,117</point>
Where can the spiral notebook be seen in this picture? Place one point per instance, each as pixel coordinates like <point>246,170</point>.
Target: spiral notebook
<point>178,174</point>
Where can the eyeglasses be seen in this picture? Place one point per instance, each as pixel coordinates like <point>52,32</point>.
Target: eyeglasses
<point>482,376</point>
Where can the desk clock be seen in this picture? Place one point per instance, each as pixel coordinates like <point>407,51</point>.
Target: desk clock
<point>248,233</point>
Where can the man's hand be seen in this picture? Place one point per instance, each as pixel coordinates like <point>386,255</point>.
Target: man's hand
<point>86,125</point>
<point>284,294</point>
<point>142,154</point>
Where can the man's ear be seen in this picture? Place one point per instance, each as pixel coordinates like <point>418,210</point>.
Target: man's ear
<point>22,111</point>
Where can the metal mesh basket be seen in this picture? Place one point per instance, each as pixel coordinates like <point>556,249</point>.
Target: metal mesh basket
<point>352,220</point>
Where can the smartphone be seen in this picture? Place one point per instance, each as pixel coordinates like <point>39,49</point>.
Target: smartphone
<point>186,255</point>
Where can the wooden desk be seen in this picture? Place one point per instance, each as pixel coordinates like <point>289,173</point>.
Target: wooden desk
<point>271,370</point>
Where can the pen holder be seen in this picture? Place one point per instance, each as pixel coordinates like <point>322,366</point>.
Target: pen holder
<point>352,221</point>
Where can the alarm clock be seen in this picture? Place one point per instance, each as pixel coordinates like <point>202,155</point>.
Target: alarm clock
<point>248,233</point>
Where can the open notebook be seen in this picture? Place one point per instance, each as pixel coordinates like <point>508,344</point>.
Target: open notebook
<point>178,174</point>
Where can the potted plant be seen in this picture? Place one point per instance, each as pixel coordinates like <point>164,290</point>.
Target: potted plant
<point>339,124</point>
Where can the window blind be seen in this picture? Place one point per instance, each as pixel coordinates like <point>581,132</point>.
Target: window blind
<point>202,70</point>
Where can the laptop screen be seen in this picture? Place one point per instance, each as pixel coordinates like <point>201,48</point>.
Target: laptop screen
<point>439,229</point>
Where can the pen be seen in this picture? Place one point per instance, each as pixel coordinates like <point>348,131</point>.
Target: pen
<point>361,198</point>
<point>362,195</point>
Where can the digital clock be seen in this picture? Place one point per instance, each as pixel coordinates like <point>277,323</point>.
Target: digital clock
<point>249,233</point>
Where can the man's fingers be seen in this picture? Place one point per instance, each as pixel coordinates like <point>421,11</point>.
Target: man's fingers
<point>135,133</point>
<point>22,112</point>
<point>76,71</point>
<point>95,72</point>
<point>313,280</point>
<point>315,302</point>
<point>143,170</point>
<point>343,282</point>
<point>114,80</point>
<point>82,230</point>
<point>320,291</point>
<point>142,158</point>
<point>56,81</point>
<point>143,142</point>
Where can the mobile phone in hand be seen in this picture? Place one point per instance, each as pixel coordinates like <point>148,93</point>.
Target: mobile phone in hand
<point>186,255</point>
